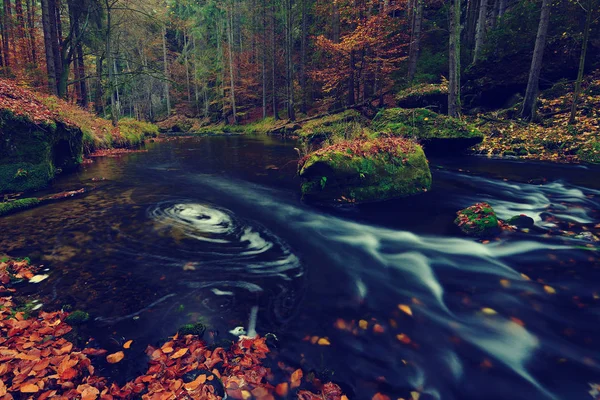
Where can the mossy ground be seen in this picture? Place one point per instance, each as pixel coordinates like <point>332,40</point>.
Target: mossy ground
<point>551,138</point>
<point>17,205</point>
<point>362,171</point>
<point>343,126</point>
<point>423,124</point>
<point>479,220</point>
<point>425,95</point>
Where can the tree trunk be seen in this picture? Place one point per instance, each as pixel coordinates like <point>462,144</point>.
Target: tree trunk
<point>335,23</point>
<point>274,63</point>
<point>584,45</point>
<point>264,59</point>
<point>303,105</point>
<point>50,64</point>
<point>7,36</point>
<point>415,44</point>
<point>30,4</point>
<point>454,107</point>
<point>480,31</point>
<point>289,60</point>
<point>166,70</point>
<point>530,100</point>
<point>99,95</point>
<point>20,37</point>
<point>501,8</point>
<point>230,39</point>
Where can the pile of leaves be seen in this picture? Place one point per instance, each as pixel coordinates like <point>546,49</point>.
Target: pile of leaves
<point>37,359</point>
<point>24,103</point>
<point>552,139</point>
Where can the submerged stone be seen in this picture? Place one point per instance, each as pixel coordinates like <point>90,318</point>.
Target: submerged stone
<point>479,220</point>
<point>77,318</point>
<point>521,221</point>
<point>363,171</point>
<point>438,133</point>
<point>192,329</point>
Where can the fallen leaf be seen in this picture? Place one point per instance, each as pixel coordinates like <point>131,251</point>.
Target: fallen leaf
<point>405,309</point>
<point>127,344</point>
<point>29,388</point>
<point>115,358</point>
<point>179,353</point>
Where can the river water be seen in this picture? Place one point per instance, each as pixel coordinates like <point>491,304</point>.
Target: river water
<point>207,228</point>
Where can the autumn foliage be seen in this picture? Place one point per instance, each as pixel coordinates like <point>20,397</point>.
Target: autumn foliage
<point>36,358</point>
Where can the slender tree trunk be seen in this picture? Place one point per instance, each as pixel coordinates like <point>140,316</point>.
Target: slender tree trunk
<point>501,8</point>
<point>30,4</point>
<point>230,39</point>
<point>264,58</point>
<point>99,95</point>
<point>584,45</point>
<point>83,82</point>
<point>166,70</point>
<point>335,23</point>
<point>20,34</point>
<point>454,106</point>
<point>531,94</point>
<point>187,66</point>
<point>480,31</point>
<point>274,62</point>
<point>50,64</point>
<point>303,105</point>
<point>415,44</point>
<point>7,34</point>
<point>289,57</point>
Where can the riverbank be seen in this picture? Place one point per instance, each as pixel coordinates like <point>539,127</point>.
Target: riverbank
<point>40,357</point>
<point>552,138</point>
<point>43,136</point>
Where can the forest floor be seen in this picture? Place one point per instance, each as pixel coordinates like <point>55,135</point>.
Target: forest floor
<point>552,138</point>
<point>38,358</point>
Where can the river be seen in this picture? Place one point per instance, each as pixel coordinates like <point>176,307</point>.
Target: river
<point>383,298</point>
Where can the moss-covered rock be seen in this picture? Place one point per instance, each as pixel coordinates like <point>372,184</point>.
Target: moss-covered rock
<point>438,133</point>
<point>425,95</point>
<point>344,125</point>
<point>31,153</point>
<point>17,205</point>
<point>479,220</point>
<point>77,318</point>
<point>363,171</point>
<point>192,329</point>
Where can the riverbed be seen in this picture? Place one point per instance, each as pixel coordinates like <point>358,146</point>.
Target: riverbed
<point>387,297</point>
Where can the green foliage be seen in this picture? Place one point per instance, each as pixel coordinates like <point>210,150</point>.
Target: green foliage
<point>590,155</point>
<point>133,132</point>
<point>17,205</point>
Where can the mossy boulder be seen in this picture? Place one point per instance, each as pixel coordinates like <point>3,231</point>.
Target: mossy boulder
<point>425,95</point>
<point>192,329</point>
<point>479,221</point>
<point>344,125</point>
<point>10,207</point>
<point>437,133</point>
<point>31,153</point>
<point>77,318</point>
<point>362,171</point>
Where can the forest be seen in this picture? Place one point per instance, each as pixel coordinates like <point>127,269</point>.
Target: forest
<point>307,199</point>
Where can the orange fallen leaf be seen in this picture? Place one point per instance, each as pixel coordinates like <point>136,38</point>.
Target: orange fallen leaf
<point>324,342</point>
<point>179,353</point>
<point>405,309</point>
<point>282,389</point>
<point>127,344</point>
<point>193,385</point>
<point>29,388</point>
<point>296,378</point>
<point>115,358</point>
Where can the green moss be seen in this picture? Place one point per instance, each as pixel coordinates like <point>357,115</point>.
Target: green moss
<point>438,133</point>
<point>345,125</point>
<point>365,175</point>
<point>77,317</point>
<point>479,220</point>
<point>133,132</point>
<point>425,95</point>
<point>192,329</point>
<point>17,205</point>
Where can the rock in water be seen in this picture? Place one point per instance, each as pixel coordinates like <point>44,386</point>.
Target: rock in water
<point>479,220</point>
<point>521,221</point>
<point>439,134</point>
<point>362,171</point>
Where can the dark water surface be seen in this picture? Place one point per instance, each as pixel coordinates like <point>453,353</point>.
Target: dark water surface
<point>207,228</point>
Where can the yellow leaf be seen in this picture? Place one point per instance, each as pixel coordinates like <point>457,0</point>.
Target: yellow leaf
<point>324,342</point>
<point>115,358</point>
<point>488,311</point>
<point>179,353</point>
<point>363,324</point>
<point>29,388</point>
<point>406,309</point>
<point>549,289</point>
<point>127,344</point>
